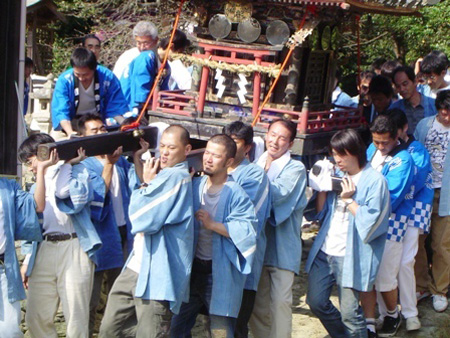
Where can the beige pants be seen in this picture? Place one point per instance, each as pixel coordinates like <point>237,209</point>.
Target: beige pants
<point>440,244</point>
<point>272,313</point>
<point>62,273</point>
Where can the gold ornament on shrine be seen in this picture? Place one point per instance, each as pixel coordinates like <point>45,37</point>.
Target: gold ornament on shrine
<point>238,10</point>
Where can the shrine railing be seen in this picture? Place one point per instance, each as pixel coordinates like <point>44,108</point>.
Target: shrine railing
<point>308,122</point>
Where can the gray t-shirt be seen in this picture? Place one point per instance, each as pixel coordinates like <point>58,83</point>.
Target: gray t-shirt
<point>204,246</point>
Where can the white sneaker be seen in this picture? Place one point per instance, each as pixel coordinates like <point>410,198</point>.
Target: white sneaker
<point>440,303</point>
<point>412,324</point>
<point>422,295</point>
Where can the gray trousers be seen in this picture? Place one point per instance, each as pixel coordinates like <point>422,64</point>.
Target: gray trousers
<point>129,316</point>
<point>111,276</point>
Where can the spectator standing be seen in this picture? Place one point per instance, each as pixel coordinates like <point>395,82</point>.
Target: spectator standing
<point>434,133</point>
<point>419,221</point>
<point>415,105</point>
<point>390,157</point>
<point>434,70</point>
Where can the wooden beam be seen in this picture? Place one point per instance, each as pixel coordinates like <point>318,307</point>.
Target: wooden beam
<point>100,144</point>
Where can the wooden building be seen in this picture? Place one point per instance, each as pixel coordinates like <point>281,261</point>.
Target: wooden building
<point>40,37</point>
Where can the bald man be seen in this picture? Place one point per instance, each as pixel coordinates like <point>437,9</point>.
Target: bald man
<point>155,280</point>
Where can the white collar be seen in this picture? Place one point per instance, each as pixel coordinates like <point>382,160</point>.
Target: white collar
<point>276,166</point>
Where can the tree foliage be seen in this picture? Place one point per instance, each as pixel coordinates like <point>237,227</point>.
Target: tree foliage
<point>112,21</point>
<point>393,37</point>
<point>408,37</point>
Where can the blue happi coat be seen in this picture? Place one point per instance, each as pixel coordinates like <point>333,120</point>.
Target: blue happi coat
<point>423,190</point>
<point>102,213</point>
<point>288,199</point>
<point>112,101</point>
<point>399,173</point>
<point>255,183</point>
<point>77,207</point>
<point>423,127</point>
<point>367,231</point>
<point>20,222</point>
<point>232,257</point>
<point>163,212</point>
<point>138,80</point>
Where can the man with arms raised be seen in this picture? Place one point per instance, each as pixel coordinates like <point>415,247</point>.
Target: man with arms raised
<point>255,183</point>
<point>59,270</point>
<point>272,315</point>
<point>156,278</point>
<point>225,243</point>
<point>112,179</point>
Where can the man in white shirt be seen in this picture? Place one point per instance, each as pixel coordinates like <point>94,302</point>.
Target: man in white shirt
<point>180,76</point>
<point>59,269</point>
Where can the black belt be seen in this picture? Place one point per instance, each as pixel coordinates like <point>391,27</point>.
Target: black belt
<point>202,266</point>
<point>60,237</point>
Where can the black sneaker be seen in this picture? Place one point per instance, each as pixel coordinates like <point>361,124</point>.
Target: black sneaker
<point>371,334</point>
<point>390,326</point>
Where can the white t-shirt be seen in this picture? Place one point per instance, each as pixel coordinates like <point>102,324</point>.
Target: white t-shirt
<point>436,143</point>
<point>434,92</point>
<point>87,100</point>
<point>57,181</point>
<point>379,160</point>
<point>135,261</point>
<point>336,240</point>
<point>179,75</point>
<point>116,196</point>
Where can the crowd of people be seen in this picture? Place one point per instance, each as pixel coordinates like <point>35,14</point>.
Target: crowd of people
<point>171,244</point>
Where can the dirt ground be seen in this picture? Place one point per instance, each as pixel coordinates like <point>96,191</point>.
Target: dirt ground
<point>305,324</point>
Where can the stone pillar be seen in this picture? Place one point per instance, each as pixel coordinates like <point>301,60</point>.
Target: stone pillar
<point>42,98</point>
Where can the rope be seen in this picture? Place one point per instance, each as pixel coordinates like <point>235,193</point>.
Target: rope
<point>286,59</point>
<point>272,71</point>
<point>158,76</point>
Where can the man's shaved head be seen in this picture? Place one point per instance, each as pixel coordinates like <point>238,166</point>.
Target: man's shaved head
<point>181,131</point>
